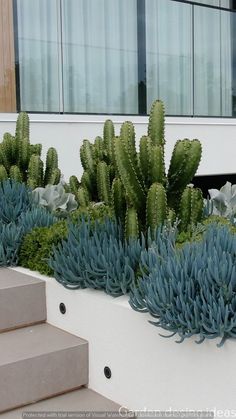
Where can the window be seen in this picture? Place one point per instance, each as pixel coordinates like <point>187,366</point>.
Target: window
<point>117,56</point>
<point>99,41</point>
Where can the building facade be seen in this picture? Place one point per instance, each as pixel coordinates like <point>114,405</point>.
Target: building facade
<point>72,64</point>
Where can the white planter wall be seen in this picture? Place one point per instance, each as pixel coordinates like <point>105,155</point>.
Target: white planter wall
<point>66,132</point>
<point>148,371</point>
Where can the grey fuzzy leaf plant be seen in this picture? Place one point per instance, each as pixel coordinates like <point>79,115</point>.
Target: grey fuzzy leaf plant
<point>54,197</point>
<point>223,202</point>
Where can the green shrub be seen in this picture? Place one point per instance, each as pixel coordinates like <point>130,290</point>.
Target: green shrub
<point>37,247</point>
<point>95,211</point>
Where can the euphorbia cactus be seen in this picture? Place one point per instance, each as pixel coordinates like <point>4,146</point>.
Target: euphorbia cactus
<point>20,158</point>
<point>114,172</point>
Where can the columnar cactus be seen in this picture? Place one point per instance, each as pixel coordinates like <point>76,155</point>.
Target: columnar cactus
<point>136,183</point>
<point>191,207</point>
<point>19,158</point>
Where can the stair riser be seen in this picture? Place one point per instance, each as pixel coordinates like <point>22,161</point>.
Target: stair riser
<point>34,379</point>
<point>22,305</point>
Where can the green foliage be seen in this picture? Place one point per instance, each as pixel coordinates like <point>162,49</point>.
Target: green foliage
<point>93,212</point>
<point>191,291</point>
<point>37,247</point>
<point>21,161</point>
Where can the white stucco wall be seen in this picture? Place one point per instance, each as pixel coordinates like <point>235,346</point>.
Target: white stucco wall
<point>66,133</point>
<point>148,371</point>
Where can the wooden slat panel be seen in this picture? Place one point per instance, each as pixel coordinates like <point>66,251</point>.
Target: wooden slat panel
<point>7,58</point>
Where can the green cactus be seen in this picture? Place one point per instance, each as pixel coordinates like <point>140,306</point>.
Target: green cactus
<point>156,212</point>
<point>139,180</point>
<point>87,157</point>
<point>183,166</point>
<point>16,155</point>
<point>24,154</point>
<point>74,184</point>
<point>145,151</point>
<point>108,135</point>
<point>8,147</point>
<point>88,183</point>
<point>22,127</point>
<point>36,149</point>
<point>82,196</point>
<point>127,171</point>
<point>157,165</point>
<point>16,174</point>
<point>127,135</point>
<point>55,176</point>
<point>118,199</point>
<point>131,224</point>
<point>98,149</point>
<point>51,165</point>
<point>3,158</point>
<point>190,208</point>
<point>156,123</point>
<point>3,173</point>
<point>35,171</point>
<point>103,182</point>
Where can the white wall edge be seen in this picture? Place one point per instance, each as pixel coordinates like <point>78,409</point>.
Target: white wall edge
<point>148,371</point>
<point>95,119</point>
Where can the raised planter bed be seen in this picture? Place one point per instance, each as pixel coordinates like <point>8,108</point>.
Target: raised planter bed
<point>148,371</point>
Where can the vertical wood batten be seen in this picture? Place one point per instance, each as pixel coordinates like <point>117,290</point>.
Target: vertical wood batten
<point>7,58</point>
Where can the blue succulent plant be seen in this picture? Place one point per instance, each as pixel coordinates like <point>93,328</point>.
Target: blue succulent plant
<point>18,215</point>
<point>193,290</point>
<point>95,256</point>
<point>15,198</point>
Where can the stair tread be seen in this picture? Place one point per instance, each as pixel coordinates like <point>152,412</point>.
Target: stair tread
<point>83,399</point>
<point>11,279</point>
<point>34,341</point>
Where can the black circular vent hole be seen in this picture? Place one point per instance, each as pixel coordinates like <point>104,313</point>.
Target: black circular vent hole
<point>62,308</point>
<point>107,372</point>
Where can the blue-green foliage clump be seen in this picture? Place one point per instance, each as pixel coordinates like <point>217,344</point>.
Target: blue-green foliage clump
<point>191,291</point>
<point>18,216</point>
<point>95,255</point>
<point>15,198</point>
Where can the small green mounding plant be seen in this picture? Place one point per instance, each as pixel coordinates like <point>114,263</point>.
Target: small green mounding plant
<point>21,161</point>
<point>193,290</point>
<point>93,212</point>
<point>37,247</point>
<point>95,256</point>
<point>54,198</point>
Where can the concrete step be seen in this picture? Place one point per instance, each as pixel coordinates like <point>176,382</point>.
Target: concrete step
<point>22,300</point>
<point>82,400</point>
<point>38,362</point>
